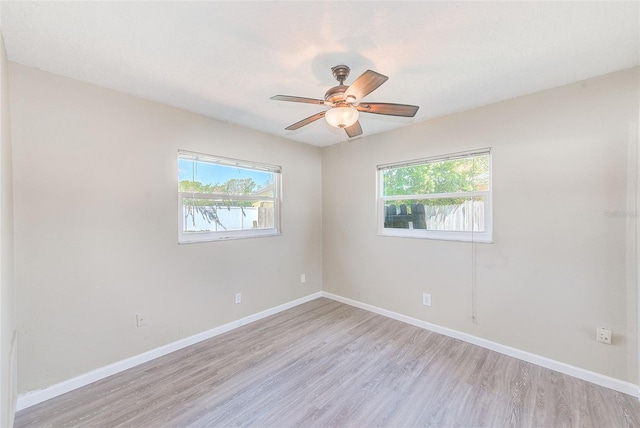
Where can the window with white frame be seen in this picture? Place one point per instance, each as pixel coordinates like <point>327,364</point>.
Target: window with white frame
<point>222,198</point>
<point>446,197</point>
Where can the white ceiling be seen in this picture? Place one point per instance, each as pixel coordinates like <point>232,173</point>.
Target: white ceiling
<point>225,59</point>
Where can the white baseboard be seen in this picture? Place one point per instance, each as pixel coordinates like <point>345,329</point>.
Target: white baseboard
<point>589,376</point>
<point>32,398</point>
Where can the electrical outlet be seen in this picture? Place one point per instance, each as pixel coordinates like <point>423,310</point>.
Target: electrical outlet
<point>303,278</point>
<point>603,335</point>
<point>141,319</point>
<point>238,297</point>
<point>426,299</point>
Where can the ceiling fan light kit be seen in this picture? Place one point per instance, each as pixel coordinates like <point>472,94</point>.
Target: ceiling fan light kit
<point>342,117</point>
<point>344,102</point>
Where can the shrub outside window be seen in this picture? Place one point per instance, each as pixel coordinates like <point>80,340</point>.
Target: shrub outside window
<point>221,198</point>
<point>447,197</point>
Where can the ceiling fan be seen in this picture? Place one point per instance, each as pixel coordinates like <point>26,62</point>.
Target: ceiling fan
<point>345,102</point>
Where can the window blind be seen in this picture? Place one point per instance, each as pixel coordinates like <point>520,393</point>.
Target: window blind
<point>422,161</point>
<point>182,154</point>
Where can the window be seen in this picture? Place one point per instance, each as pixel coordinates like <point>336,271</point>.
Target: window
<point>448,197</point>
<point>220,198</point>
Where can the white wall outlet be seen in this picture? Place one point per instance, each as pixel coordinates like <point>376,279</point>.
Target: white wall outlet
<point>426,299</point>
<point>603,335</point>
<point>141,319</point>
<point>238,297</point>
<point>303,278</point>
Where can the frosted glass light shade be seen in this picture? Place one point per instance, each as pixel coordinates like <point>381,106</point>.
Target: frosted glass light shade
<point>342,117</point>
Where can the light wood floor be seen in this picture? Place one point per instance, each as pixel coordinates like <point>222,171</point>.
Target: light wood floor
<point>331,365</point>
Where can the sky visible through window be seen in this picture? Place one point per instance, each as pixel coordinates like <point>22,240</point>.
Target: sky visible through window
<point>207,173</point>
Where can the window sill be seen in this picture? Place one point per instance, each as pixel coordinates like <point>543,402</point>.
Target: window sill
<point>226,238</point>
<point>463,238</point>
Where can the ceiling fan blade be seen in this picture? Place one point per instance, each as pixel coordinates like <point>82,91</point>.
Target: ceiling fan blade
<point>404,110</point>
<point>365,84</point>
<point>354,130</point>
<point>297,99</point>
<point>306,121</point>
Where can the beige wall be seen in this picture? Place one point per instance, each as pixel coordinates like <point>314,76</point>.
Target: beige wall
<point>96,206</point>
<point>96,227</point>
<point>7,284</point>
<point>558,267</point>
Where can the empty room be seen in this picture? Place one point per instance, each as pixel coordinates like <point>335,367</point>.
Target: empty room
<point>319,214</point>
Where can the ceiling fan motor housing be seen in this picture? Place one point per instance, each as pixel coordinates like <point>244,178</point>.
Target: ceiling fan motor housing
<point>335,94</point>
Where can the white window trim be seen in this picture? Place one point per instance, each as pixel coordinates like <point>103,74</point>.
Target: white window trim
<point>485,236</point>
<point>223,235</point>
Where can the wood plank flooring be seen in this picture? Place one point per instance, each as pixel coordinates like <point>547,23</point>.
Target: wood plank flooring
<point>326,364</point>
